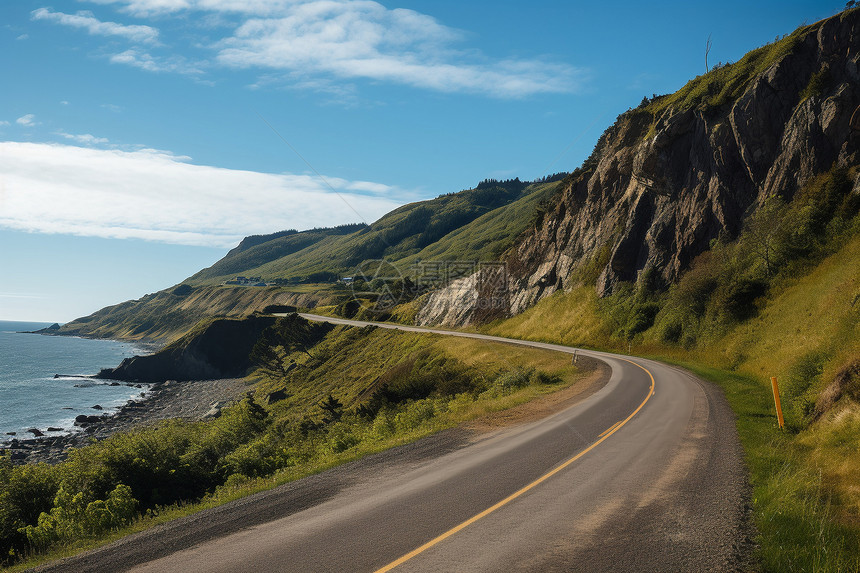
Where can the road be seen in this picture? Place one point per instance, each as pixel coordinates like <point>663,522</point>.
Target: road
<point>646,474</point>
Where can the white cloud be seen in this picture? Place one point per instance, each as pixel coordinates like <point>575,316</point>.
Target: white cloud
<point>366,40</point>
<point>23,37</point>
<point>27,120</point>
<point>160,7</point>
<point>3,123</point>
<point>151,63</point>
<point>156,196</point>
<point>312,41</point>
<point>96,27</point>
<point>85,138</point>
<point>369,187</point>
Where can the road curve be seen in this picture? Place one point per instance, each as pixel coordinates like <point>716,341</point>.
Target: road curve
<point>646,474</point>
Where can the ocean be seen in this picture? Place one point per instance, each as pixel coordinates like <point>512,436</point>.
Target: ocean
<point>30,396</point>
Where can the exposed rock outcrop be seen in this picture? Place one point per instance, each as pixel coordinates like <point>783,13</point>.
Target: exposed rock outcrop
<point>680,171</point>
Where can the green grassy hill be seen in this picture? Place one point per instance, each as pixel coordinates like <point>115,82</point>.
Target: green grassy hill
<point>475,224</point>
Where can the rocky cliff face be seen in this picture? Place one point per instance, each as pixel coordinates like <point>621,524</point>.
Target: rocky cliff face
<point>220,350</point>
<point>682,170</point>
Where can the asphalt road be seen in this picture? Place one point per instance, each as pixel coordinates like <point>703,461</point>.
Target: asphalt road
<point>646,474</point>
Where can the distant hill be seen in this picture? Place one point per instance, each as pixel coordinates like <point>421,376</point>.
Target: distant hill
<point>477,224</point>
<point>414,231</point>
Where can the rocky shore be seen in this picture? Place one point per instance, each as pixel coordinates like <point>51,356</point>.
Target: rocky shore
<point>189,400</point>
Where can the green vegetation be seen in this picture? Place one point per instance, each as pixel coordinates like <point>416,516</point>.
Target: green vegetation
<point>475,224</point>
<point>725,83</point>
<point>801,519</point>
<point>782,300</point>
<point>350,392</point>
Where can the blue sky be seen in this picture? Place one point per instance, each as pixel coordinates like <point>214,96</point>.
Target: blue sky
<point>141,139</point>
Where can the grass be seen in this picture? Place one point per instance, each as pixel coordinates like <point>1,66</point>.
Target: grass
<point>806,490</point>
<point>818,312</point>
<point>164,316</point>
<point>570,318</point>
<point>799,516</point>
<point>725,84</point>
<point>474,224</point>
<point>346,362</point>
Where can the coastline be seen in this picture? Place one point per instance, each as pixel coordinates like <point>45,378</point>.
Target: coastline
<point>191,400</point>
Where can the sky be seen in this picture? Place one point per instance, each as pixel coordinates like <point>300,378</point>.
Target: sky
<point>140,140</point>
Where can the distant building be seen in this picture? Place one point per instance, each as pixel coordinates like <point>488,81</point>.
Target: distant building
<point>247,281</point>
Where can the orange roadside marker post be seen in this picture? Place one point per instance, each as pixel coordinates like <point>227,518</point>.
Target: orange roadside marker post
<point>776,401</point>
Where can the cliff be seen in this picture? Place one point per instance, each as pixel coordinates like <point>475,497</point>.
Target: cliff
<point>682,170</point>
<point>217,349</point>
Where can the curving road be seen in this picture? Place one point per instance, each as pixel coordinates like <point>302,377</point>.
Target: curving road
<point>645,475</point>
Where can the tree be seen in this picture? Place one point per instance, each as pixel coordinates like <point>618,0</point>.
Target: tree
<point>707,51</point>
<point>332,409</point>
<point>763,229</point>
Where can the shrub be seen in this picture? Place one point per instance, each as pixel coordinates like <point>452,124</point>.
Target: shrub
<point>541,377</point>
<point>25,493</point>
<point>341,437</point>
<point>799,385</point>
<point>514,379</point>
<point>415,414</point>
<point>73,516</point>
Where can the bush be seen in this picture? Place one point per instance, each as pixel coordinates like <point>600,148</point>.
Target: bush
<point>799,387</point>
<point>739,298</point>
<point>415,414</point>
<point>341,437</point>
<point>73,517</point>
<point>25,493</point>
<point>260,457</point>
<point>514,379</point>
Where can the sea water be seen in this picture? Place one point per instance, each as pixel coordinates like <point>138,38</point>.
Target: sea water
<point>30,396</point>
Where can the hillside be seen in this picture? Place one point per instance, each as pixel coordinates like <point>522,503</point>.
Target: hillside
<point>415,231</point>
<point>682,171</point>
<point>472,225</point>
<point>717,227</point>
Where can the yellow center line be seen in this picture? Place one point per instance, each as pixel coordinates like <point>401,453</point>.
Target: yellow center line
<point>523,490</point>
<point>609,429</point>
